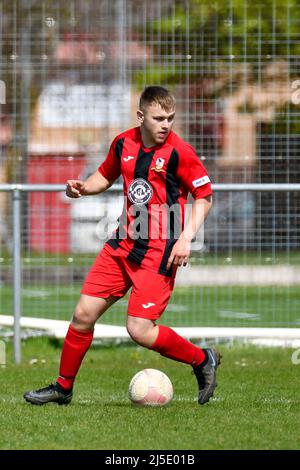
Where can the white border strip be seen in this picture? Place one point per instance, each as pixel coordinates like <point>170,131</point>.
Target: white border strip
<point>58,329</point>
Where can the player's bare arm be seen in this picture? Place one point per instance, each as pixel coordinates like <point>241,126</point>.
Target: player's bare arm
<point>94,184</point>
<point>182,248</point>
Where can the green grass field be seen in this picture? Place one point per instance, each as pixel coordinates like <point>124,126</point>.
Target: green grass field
<point>235,306</point>
<point>245,258</point>
<point>256,404</point>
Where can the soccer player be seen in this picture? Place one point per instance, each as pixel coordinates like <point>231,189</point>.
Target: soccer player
<point>159,169</point>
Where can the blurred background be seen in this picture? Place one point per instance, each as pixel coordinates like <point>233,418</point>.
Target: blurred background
<point>71,74</point>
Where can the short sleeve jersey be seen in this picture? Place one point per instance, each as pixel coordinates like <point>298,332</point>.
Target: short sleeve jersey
<point>157,181</point>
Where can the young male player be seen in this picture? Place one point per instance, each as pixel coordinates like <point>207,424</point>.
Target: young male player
<point>159,170</point>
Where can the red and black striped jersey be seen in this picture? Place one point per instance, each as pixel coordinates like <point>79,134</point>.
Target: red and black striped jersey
<point>157,181</point>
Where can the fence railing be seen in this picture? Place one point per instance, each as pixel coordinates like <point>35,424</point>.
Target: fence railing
<point>17,189</point>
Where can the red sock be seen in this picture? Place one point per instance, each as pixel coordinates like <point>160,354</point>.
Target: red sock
<point>75,346</point>
<point>171,345</point>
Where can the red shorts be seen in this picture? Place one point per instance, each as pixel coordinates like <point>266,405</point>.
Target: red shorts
<point>113,275</point>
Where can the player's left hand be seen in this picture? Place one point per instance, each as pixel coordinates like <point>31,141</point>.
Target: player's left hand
<point>180,253</point>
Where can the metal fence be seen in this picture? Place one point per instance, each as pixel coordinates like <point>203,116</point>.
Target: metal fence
<point>70,77</point>
<point>71,73</point>
<point>243,288</point>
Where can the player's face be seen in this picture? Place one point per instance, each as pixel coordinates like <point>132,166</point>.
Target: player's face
<point>156,124</point>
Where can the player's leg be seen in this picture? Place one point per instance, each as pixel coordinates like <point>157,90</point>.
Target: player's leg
<point>149,298</point>
<point>150,295</point>
<point>106,282</point>
<point>80,336</point>
<point>142,330</point>
<point>77,342</point>
<point>203,361</point>
<point>164,340</point>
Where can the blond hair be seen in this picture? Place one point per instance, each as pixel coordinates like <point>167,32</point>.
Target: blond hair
<point>159,95</point>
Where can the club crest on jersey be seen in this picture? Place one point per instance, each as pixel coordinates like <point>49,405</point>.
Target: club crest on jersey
<point>140,191</point>
<point>159,165</point>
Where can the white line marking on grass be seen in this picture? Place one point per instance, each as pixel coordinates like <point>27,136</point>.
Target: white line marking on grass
<point>286,401</point>
<point>238,315</point>
<point>35,293</point>
<point>177,308</point>
<point>183,399</point>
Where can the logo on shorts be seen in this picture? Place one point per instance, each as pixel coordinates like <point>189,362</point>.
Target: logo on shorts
<point>148,305</point>
<point>140,191</point>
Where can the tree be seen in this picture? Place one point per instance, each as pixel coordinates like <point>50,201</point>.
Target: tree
<point>206,38</point>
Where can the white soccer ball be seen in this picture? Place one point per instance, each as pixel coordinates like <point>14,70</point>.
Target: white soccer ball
<point>150,387</point>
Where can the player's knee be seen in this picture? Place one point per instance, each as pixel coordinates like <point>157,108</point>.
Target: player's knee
<point>136,334</point>
<point>138,330</point>
<point>82,318</point>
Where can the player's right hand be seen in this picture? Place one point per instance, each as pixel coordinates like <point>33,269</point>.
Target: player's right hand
<point>75,188</point>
